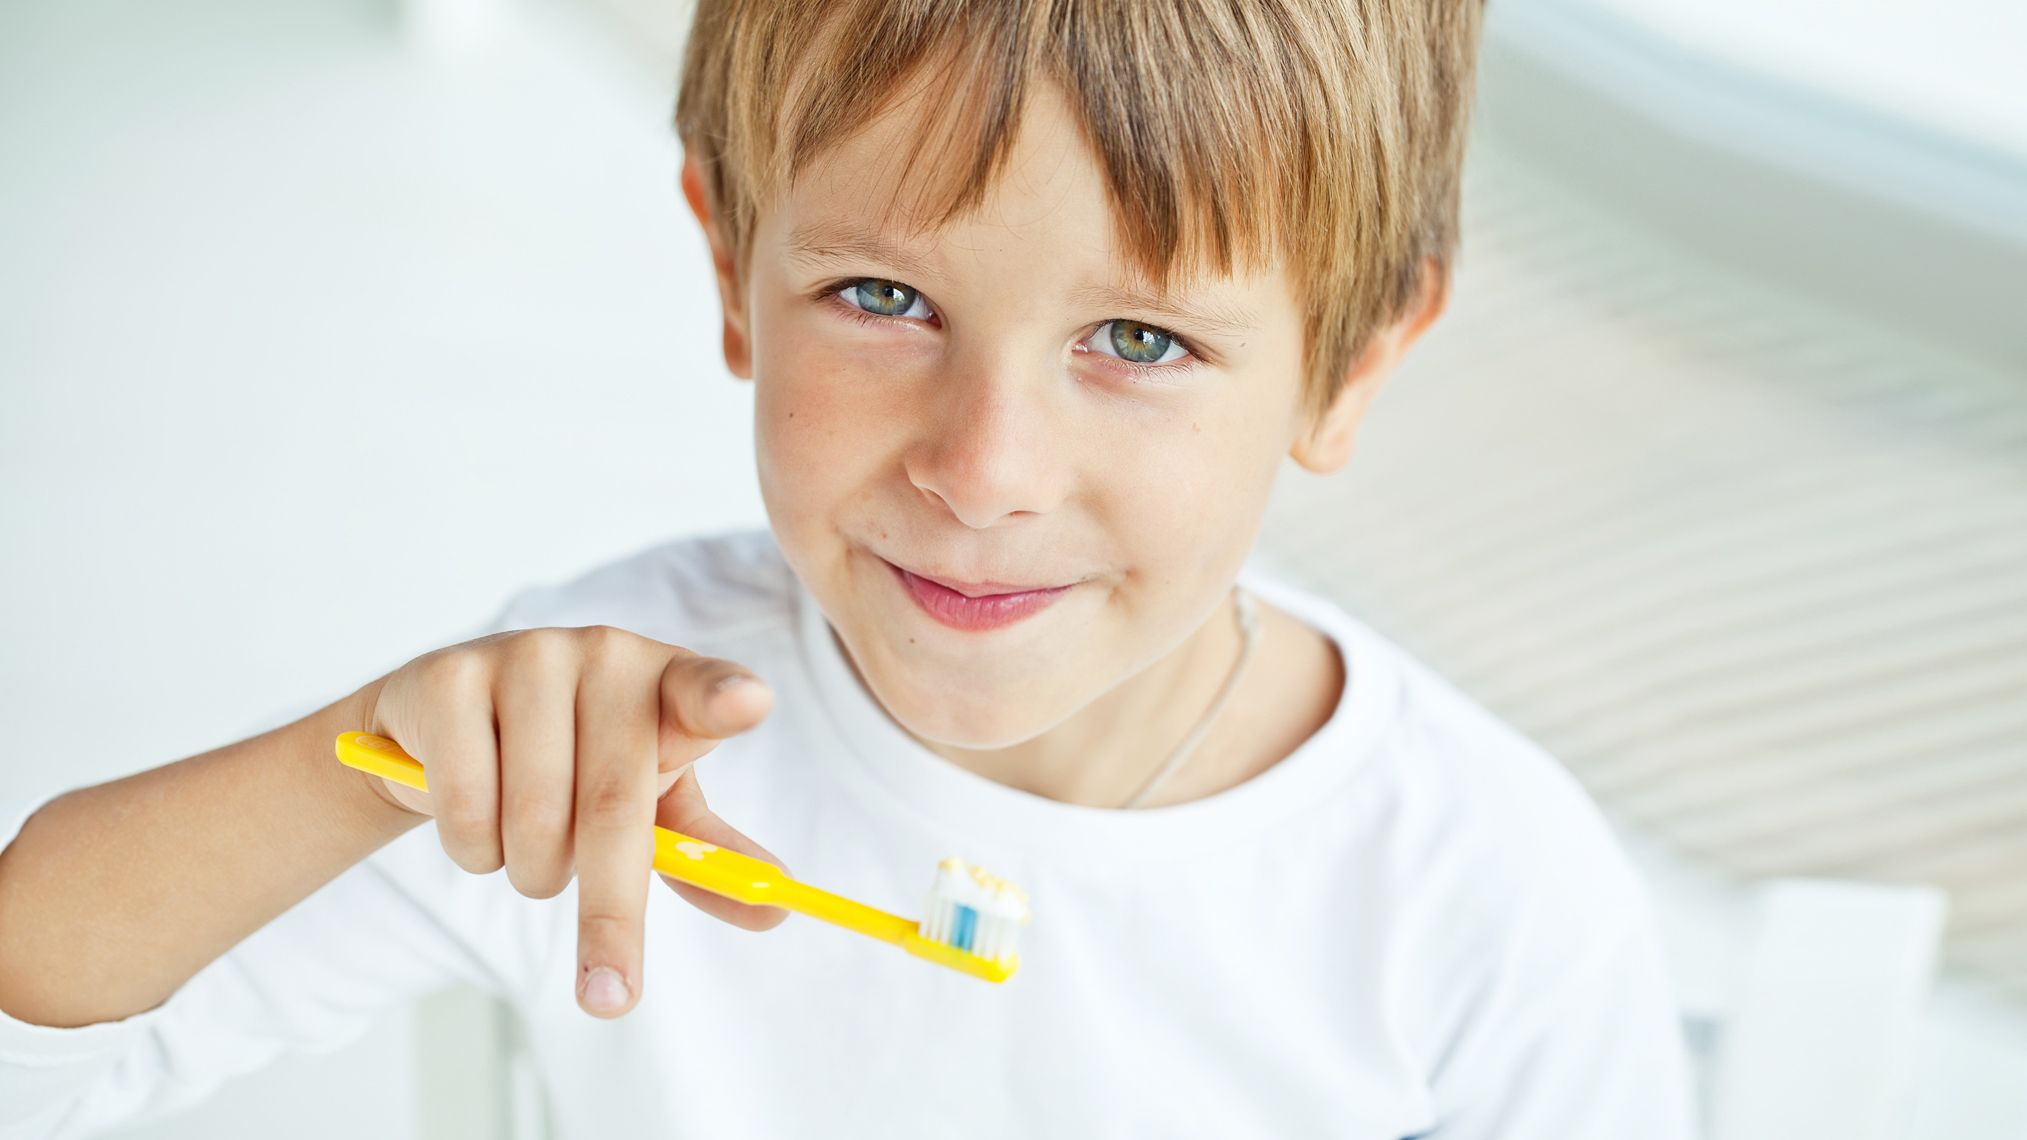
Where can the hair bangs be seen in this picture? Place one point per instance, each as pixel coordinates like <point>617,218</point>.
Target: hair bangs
<point>1323,136</point>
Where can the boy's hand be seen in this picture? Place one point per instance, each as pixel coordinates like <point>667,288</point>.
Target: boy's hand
<point>553,748</point>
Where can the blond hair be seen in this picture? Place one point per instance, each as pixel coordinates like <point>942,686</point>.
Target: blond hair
<point>1323,136</point>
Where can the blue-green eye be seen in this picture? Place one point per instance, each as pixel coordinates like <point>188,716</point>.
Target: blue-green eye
<point>1139,343</point>
<point>886,299</point>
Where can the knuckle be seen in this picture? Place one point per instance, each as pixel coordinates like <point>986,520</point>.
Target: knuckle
<point>470,836</point>
<point>604,643</point>
<point>542,813</point>
<point>466,833</point>
<point>542,651</point>
<point>603,922</point>
<point>701,675</point>
<point>454,672</point>
<point>613,804</point>
<point>686,688</point>
<point>463,808</point>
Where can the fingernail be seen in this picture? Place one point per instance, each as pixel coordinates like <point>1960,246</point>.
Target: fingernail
<point>604,990</point>
<point>731,680</point>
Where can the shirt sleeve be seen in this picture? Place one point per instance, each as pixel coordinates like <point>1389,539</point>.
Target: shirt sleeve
<point>1539,988</point>
<point>1565,1024</point>
<point>315,978</point>
<point>1592,1050</point>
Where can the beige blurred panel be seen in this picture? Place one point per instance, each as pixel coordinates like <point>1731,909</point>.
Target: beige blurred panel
<point>1825,1041</point>
<point>476,1075</point>
<point>1756,572</point>
<point>462,1045</point>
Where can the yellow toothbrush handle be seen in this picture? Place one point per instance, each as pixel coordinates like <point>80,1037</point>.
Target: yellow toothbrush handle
<point>380,757</point>
<point>739,877</point>
<point>749,880</point>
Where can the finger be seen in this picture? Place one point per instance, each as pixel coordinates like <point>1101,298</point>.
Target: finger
<point>704,700</point>
<point>453,738</point>
<point>414,799</point>
<point>538,760</point>
<point>683,810</point>
<point>618,712</point>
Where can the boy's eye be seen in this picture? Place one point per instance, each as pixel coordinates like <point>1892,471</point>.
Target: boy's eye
<point>1141,344</point>
<point>886,299</point>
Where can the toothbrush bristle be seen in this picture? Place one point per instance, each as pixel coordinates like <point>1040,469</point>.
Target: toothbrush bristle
<point>972,911</point>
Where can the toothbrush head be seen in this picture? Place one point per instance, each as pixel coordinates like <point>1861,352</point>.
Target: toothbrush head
<point>972,922</point>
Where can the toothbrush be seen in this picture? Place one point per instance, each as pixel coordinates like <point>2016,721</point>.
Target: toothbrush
<point>973,918</point>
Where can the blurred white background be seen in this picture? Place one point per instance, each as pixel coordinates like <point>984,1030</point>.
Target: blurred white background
<point>319,342</point>
<point>326,327</point>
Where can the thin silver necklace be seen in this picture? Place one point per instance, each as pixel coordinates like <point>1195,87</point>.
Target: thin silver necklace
<point>1249,632</point>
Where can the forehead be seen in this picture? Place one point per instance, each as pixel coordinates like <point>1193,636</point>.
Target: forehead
<point>881,197</point>
<point>907,176</point>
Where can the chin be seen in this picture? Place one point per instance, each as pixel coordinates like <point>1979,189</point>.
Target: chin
<point>974,713</point>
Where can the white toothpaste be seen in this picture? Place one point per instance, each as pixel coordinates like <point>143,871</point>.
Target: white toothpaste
<point>974,911</point>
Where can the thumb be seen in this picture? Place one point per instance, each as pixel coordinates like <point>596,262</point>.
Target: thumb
<point>704,700</point>
<point>683,810</point>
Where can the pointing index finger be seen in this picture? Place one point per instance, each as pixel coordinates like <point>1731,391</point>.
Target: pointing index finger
<point>614,840</point>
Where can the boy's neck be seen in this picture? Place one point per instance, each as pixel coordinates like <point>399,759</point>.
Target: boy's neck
<point>1105,753</point>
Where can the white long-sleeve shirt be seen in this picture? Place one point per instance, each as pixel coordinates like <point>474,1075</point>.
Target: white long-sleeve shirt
<point>1414,926</point>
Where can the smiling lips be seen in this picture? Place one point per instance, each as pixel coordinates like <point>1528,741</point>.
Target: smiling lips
<point>992,607</point>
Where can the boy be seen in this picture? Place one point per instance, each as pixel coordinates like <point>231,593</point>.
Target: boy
<point>1036,297</point>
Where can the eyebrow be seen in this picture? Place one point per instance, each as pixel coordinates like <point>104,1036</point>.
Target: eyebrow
<point>1201,315</point>
<point>830,242</point>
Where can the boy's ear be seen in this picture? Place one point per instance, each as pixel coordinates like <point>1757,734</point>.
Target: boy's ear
<point>1326,446</point>
<point>738,346</point>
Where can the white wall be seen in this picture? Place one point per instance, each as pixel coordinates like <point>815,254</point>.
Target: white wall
<point>316,344</point>
<point>313,350</point>
<point>1951,67</point>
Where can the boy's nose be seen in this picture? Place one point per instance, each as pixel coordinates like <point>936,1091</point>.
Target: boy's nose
<point>987,451</point>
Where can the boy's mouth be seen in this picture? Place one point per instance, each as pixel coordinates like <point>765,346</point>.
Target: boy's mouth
<point>975,605</point>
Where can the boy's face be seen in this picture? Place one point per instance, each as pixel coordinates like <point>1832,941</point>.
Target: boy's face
<point>1003,512</point>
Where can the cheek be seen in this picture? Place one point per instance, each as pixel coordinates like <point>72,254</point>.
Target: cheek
<point>1187,498</point>
<point>804,465</point>
<point>827,425</point>
<point>799,412</point>
<point>798,419</point>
